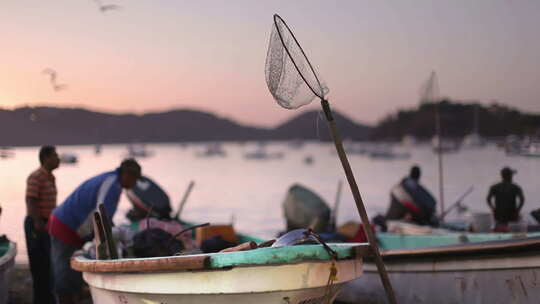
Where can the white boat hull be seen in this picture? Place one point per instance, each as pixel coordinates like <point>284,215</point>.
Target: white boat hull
<point>300,283</point>
<point>7,261</point>
<point>489,279</point>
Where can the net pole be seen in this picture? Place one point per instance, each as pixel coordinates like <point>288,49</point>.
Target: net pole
<point>359,203</point>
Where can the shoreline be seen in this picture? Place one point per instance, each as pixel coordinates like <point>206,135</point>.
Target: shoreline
<point>20,286</point>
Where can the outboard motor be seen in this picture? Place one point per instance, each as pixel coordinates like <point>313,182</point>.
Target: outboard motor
<point>303,208</point>
<point>147,194</point>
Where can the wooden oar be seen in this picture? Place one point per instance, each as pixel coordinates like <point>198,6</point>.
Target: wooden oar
<point>359,202</point>
<point>184,199</point>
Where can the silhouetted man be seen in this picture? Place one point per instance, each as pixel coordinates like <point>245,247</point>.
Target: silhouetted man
<point>410,201</point>
<point>40,201</point>
<point>71,223</point>
<point>509,200</point>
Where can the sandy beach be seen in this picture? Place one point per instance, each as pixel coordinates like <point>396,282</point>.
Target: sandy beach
<point>20,288</point>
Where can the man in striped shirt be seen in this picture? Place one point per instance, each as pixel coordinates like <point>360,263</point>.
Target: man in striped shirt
<point>40,201</point>
<point>70,224</point>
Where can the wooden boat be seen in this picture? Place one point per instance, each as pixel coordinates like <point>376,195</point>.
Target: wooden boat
<point>453,268</point>
<point>8,251</point>
<point>291,275</point>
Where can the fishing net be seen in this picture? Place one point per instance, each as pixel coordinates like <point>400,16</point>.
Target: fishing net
<point>291,79</point>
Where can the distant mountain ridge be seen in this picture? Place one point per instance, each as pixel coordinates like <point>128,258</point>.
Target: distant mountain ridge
<point>75,126</point>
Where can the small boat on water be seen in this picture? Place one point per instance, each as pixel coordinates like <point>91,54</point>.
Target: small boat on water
<point>138,150</point>
<point>386,152</point>
<point>212,150</point>
<point>292,274</point>
<point>68,158</point>
<point>453,268</point>
<point>263,154</point>
<point>8,251</point>
<point>532,150</point>
<point>6,152</point>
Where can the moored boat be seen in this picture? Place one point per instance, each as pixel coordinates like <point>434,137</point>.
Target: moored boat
<point>290,274</point>
<point>453,268</point>
<point>8,251</point>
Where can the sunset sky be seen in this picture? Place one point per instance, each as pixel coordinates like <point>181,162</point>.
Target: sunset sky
<point>154,55</point>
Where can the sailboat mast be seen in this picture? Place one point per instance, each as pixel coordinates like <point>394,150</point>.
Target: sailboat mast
<point>440,158</point>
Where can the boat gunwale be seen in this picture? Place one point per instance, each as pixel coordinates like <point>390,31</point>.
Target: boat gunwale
<point>220,261</point>
<point>520,245</point>
<point>8,259</point>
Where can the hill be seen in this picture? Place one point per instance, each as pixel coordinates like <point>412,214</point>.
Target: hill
<point>457,120</point>
<point>75,126</point>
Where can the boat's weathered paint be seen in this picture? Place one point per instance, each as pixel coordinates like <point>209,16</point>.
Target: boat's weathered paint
<point>504,271</point>
<point>7,260</point>
<point>508,279</point>
<point>391,241</point>
<point>289,275</point>
<point>289,254</point>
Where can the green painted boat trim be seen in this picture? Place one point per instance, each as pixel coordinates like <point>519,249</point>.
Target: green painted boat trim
<point>282,255</point>
<point>390,241</point>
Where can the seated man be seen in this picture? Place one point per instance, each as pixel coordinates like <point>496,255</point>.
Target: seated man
<point>411,202</point>
<point>505,199</point>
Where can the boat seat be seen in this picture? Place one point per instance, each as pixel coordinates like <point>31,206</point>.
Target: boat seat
<point>226,232</point>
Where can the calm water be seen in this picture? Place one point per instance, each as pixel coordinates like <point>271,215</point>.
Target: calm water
<point>251,191</point>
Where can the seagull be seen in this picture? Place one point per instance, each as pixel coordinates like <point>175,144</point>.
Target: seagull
<point>52,79</point>
<point>106,7</point>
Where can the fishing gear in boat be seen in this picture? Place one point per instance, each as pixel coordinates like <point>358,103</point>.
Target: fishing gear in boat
<point>184,199</point>
<point>293,82</point>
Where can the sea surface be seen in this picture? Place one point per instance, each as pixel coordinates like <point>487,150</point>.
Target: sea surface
<point>249,193</point>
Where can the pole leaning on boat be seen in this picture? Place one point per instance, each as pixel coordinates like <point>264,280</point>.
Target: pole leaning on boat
<point>293,82</point>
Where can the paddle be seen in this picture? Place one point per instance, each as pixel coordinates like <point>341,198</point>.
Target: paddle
<point>184,199</point>
<point>293,82</point>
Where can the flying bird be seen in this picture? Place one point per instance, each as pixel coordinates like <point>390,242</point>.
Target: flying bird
<point>106,7</point>
<point>52,79</point>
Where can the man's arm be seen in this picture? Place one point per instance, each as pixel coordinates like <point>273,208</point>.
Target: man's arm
<point>489,198</point>
<point>521,199</point>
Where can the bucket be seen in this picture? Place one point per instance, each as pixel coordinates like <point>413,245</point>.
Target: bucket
<point>516,227</point>
<point>482,222</point>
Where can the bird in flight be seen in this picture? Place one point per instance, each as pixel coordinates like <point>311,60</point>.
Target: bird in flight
<point>52,79</point>
<point>106,7</point>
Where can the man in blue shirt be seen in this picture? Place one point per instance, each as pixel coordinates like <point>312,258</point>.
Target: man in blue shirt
<point>70,224</point>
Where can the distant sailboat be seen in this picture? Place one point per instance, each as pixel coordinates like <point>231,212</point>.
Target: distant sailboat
<point>430,93</point>
<point>474,140</point>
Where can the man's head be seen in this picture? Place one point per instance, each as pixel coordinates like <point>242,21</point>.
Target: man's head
<point>48,158</point>
<point>130,172</point>
<point>507,173</point>
<point>415,173</point>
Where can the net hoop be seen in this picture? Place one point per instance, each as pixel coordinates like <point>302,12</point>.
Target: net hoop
<point>276,18</point>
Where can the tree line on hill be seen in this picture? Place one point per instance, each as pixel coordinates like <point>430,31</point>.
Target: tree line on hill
<point>75,126</point>
<point>457,120</point>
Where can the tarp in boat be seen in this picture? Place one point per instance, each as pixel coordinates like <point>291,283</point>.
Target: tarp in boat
<point>148,194</point>
<point>303,208</point>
